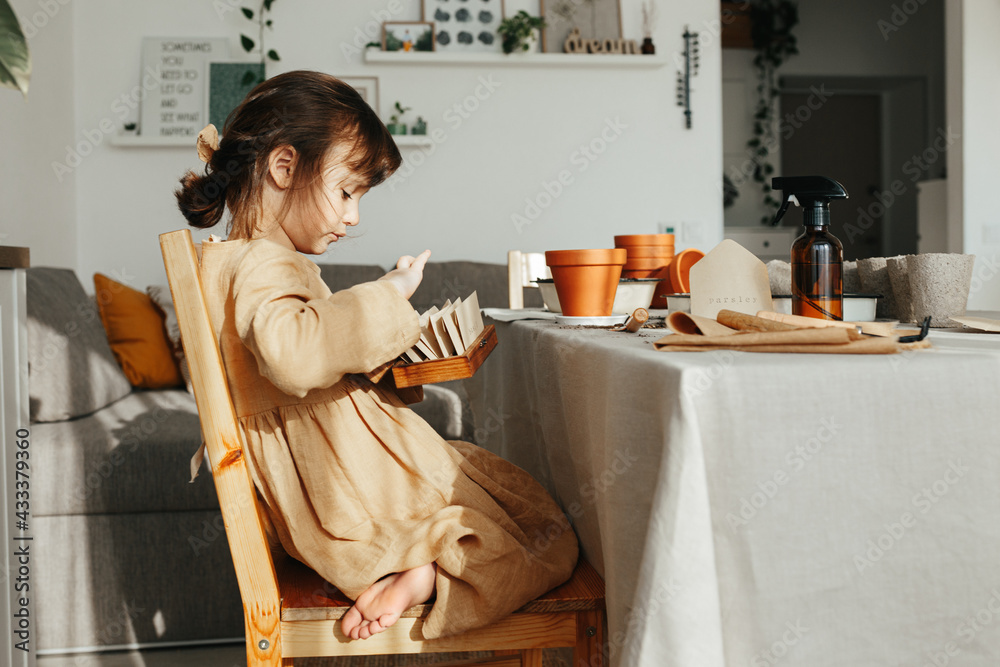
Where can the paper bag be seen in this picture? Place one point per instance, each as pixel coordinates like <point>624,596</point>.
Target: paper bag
<point>730,277</point>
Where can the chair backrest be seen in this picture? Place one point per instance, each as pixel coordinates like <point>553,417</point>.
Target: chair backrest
<point>241,510</point>
<point>523,270</point>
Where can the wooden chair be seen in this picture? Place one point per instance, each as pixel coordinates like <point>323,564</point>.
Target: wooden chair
<point>291,612</point>
<point>523,270</point>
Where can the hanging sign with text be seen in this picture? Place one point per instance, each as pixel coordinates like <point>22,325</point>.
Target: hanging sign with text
<point>178,106</point>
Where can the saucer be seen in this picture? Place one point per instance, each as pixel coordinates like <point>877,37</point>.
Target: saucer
<point>600,321</point>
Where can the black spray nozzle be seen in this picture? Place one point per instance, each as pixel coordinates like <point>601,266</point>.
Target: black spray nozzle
<point>812,193</point>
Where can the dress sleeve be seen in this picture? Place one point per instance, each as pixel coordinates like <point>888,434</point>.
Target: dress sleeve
<point>304,340</point>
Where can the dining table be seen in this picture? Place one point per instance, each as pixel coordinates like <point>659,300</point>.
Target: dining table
<point>763,508</point>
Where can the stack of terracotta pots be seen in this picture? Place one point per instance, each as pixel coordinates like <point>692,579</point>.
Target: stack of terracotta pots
<point>649,256</point>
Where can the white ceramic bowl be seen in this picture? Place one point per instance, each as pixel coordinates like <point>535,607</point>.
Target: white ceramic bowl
<point>857,307</point>
<point>631,294</point>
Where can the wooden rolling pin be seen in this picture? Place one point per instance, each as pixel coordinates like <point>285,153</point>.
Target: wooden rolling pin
<point>636,320</point>
<point>872,328</point>
<point>744,322</point>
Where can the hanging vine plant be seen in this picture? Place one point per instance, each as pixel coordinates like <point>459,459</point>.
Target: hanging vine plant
<point>771,28</point>
<point>263,20</point>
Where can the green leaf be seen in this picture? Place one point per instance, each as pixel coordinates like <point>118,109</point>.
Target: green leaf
<point>249,77</point>
<point>267,5</point>
<point>268,23</point>
<point>15,60</point>
<point>247,13</point>
<point>247,43</point>
<point>273,55</point>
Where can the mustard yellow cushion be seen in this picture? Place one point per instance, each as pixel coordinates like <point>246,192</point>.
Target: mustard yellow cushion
<point>137,335</point>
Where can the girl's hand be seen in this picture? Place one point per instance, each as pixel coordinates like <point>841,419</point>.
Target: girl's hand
<point>408,273</point>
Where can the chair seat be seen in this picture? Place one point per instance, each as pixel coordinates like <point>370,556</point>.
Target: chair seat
<point>306,596</point>
<point>311,609</point>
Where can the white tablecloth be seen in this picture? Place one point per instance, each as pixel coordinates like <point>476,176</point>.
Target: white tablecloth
<point>766,509</point>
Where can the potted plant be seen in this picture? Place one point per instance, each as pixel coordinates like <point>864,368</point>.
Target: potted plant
<point>396,126</point>
<point>419,126</point>
<point>519,33</point>
<point>15,61</point>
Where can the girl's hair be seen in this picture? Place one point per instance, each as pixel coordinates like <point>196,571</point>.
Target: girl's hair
<point>312,112</point>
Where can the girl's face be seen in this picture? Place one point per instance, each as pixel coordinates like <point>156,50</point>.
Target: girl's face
<point>311,226</point>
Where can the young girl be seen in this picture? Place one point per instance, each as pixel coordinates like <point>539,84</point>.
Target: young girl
<point>357,486</point>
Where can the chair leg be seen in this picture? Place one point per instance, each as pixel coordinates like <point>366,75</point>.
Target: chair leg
<point>531,657</point>
<point>255,659</point>
<point>589,650</point>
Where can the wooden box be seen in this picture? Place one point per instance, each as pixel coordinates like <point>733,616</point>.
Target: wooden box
<point>459,367</point>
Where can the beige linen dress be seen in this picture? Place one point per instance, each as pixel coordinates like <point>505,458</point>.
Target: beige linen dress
<point>356,484</point>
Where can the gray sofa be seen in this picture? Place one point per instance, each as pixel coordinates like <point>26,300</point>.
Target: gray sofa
<point>129,552</point>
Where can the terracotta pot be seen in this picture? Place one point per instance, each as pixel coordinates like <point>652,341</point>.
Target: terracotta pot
<point>660,300</point>
<point>662,288</point>
<point>644,239</point>
<point>641,273</point>
<point>680,269</point>
<point>650,263</point>
<point>586,280</point>
<point>649,250</point>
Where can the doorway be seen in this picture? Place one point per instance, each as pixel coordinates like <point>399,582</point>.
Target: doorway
<point>839,136</point>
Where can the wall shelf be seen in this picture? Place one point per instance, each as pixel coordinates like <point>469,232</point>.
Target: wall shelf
<point>376,57</point>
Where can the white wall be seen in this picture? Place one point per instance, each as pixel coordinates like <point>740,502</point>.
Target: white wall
<point>461,199</point>
<point>976,172</point>
<point>38,210</point>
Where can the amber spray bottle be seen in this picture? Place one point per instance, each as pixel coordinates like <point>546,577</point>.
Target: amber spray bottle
<point>817,256</point>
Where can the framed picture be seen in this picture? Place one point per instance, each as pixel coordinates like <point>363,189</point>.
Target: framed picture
<point>367,86</point>
<point>175,101</point>
<point>407,36</point>
<point>595,19</point>
<point>228,84</point>
<point>465,26</point>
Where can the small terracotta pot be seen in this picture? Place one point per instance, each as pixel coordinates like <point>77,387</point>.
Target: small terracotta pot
<point>644,239</point>
<point>680,269</point>
<point>649,250</point>
<point>586,280</point>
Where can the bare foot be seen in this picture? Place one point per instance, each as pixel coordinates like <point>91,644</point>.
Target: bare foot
<point>380,606</point>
